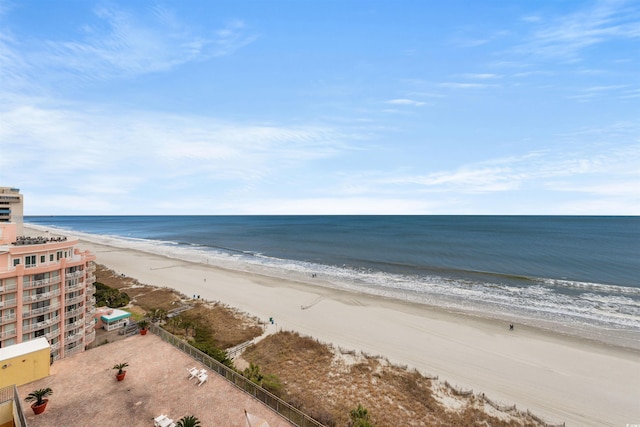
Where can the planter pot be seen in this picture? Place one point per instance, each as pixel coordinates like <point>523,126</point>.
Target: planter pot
<point>143,332</point>
<point>38,409</point>
<point>120,377</point>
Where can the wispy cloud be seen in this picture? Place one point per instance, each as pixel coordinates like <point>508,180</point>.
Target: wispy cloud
<point>567,36</point>
<point>607,167</point>
<point>481,76</point>
<point>463,85</point>
<point>156,146</point>
<point>405,101</point>
<point>123,45</point>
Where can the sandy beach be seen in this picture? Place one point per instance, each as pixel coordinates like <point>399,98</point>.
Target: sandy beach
<point>559,378</point>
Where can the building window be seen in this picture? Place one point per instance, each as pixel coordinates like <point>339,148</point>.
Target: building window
<point>51,257</point>
<point>30,261</point>
<point>42,258</point>
<point>58,255</point>
<point>16,262</point>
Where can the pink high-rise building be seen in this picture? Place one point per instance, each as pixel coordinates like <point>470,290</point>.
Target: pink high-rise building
<point>46,289</point>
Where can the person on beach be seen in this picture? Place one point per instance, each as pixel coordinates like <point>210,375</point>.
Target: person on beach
<point>511,326</point>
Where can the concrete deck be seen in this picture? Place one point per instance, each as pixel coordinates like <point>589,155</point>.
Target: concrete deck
<point>87,394</point>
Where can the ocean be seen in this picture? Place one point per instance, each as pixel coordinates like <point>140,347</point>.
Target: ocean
<point>572,273</point>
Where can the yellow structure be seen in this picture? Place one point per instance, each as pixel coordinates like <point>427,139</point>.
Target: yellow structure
<point>11,411</point>
<point>25,362</point>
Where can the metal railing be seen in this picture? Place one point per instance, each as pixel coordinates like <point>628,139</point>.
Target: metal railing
<point>8,394</point>
<point>8,318</point>
<point>41,310</point>
<point>42,282</point>
<point>282,408</point>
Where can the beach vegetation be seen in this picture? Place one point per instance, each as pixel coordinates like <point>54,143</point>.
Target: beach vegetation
<point>360,417</point>
<point>188,421</point>
<point>110,297</point>
<point>157,314</point>
<point>269,382</point>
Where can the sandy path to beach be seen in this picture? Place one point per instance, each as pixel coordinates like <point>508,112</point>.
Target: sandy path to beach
<point>580,382</point>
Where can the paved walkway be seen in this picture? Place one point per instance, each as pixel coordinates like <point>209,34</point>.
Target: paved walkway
<point>86,393</point>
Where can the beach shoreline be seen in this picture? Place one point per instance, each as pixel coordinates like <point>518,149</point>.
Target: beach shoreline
<point>558,377</point>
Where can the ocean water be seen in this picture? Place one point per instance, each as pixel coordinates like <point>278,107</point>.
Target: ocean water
<point>573,273</point>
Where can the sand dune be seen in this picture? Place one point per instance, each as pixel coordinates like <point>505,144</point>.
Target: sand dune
<point>562,379</point>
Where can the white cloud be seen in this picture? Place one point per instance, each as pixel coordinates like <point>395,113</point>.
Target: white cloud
<point>404,101</point>
<point>463,85</point>
<point>481,76</point>
<point>129,46</point>
<point>567,36</point>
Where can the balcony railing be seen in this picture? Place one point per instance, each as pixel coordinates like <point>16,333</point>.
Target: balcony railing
<point>8,303</point>
<point>41,310</point>
<point>42,282</point>
<point>73,350</point>
<point>91,301</point>
<point>75,325</point>
<point>53,334</point>
<point>72,284</point>
<point>42,296</point>
<point>8,318</point>
<point>8,334</point>
<point>40,325</point>
<point>7,288</point>
<point>72,313</point>
<point>73,338</point>
<point>55,346</point>
<point>90,337</point>
<point>73,300</point>
<point>91,311</point>
<point>91,278</point>
<point>75,274</point>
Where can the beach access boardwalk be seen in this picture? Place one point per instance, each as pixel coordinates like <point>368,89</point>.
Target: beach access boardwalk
<point>86,392</point>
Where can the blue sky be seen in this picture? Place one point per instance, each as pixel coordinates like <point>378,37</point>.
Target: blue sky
<point>321,107</point>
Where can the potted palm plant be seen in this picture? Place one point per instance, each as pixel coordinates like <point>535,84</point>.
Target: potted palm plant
<point>188,421</point>
<point>143,325</point>
<point>39,397</point>
<point>121,372</point>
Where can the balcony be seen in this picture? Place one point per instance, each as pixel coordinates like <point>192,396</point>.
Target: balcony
<point>8,303</point>
<point>73,337</point>
<point>91,268</point>
<point>41,310</point>
<point>8,318</point>
<point>8,288</point>
<point>91,278</point>
<point>8,334</point>
<point>40,325</point>
<point>42,296</point>
<point>72,350</point>
<point>53,334</point>
<point>74,275</point>
<point>91,301</point>
<point>75,325</point>
<point>74,300</point>
<point>72,313</point>
<point>89,338</point>
<point>91,311</point>
<point>55,346</point>
<point>40,283</point>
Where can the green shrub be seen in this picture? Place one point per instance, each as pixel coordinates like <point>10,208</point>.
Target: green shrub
<point>110,297</point>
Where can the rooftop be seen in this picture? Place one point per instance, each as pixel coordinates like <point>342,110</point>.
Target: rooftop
<point>85,390</point>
